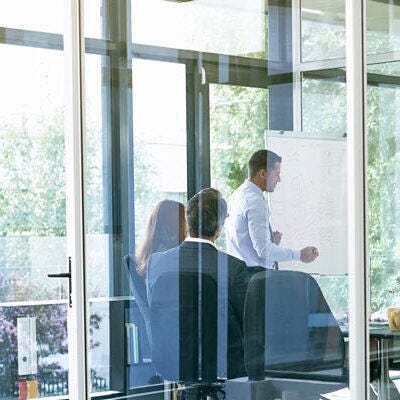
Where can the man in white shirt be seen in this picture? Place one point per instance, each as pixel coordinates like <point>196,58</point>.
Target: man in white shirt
<point>249,233</point>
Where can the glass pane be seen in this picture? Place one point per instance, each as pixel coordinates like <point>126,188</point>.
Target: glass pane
<point>159,127</point>
<point>235,27</point>
<point>324,103</point>
<point>323,34</point>
<point>383,198</point>
<point>33,307</point>
<point>92,13</point>
<point>383,93</point>
<point>151,149</point>
<point>383,29</point>
<point>233,135</point>
<point>171,313</point>
<point>38,15</point>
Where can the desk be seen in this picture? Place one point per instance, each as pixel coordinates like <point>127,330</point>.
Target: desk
<point>383,338</point>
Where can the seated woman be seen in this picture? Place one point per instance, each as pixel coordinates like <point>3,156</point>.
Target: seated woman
<point>166,228</point>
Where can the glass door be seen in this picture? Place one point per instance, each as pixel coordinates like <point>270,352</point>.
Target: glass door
<point>382,97</point>
<point>178,95</point>
<point>135,157</point>
<point>33,308</point>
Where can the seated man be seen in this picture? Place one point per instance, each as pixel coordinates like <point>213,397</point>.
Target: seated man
<point>218,297</point>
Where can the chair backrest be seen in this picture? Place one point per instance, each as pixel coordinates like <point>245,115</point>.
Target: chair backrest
<point>184,326</point>
<point>138,289</point>
<point>288,326</point>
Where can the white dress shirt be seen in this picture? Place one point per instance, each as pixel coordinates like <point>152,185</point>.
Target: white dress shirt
<point>199,240</point>
<point>247,229</point>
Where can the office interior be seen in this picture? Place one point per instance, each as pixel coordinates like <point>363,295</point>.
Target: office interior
<point>109,106</point>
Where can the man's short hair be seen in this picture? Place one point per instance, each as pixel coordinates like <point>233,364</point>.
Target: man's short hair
<point>262,159</point>
<point>205,212</point>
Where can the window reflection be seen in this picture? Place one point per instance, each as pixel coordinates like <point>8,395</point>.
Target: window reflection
<point>233,27</point>
<point>159,127</point>
<point>322,30</point>
<point>324,103</point>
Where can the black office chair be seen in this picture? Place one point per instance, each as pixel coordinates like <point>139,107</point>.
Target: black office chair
<point>289,329</point>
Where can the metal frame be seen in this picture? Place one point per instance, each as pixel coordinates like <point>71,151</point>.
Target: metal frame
<point>78,340</point>
<point>357,201</point>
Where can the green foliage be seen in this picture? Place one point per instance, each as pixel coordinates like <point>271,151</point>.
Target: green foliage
<point>238,121</point>
<point>32,168</point>
<point>383,197</point>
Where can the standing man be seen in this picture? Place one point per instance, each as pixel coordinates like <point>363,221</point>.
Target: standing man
<point>249,233</point>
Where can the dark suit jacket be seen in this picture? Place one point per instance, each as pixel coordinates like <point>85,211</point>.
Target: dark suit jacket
<point>231,278</point>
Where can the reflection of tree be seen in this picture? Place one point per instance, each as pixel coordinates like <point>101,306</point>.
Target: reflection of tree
<point>238,119</point>
<point>383,196</point>
<point>32,192</point>
<point>32,204</point>
<point>383,162</point>
<point>146,182</point>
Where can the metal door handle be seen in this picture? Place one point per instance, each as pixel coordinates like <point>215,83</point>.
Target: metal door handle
<point>62,275</point>
<point>66,275</point>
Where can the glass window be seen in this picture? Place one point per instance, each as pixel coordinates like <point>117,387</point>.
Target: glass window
<point>324,103</point>
<point>33,307</point>
<point>383,34</point>
<point>322,30</point>
<point>383,156</point>
<point>177,115</point>
<point>238,122</point>
<point>47,15</point>
<point>235,27</point>
<point>159,126</point>
<point>383,194</point>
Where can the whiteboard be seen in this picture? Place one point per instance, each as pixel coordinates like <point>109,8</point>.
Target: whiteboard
<point>309,205</point>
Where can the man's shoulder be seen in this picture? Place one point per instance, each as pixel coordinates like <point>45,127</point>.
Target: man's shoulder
<point>231,260</point>
<point>163,255</point>
<point>243,196</point>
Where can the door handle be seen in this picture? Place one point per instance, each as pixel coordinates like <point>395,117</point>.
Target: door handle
<point>65,275</point>
<point>62,275</point>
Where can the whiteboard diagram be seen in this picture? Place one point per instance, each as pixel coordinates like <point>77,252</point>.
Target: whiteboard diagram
<point>309,206</point>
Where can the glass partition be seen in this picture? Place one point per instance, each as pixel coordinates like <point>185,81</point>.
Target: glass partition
<point>33,307</point>
<point>194,292</point>
<point>179,95</point>
<point>382,178</point>
<point>227,27</point>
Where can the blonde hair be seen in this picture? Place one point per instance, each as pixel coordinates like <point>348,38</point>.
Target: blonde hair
<point>166,228</point>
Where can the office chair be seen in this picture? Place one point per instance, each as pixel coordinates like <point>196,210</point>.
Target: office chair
<point>289,329</point>
<point>184,325</point>
<point>138,289</point>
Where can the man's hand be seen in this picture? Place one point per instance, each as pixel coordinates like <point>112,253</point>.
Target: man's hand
<point>277,237</point>
<point>308,254</point>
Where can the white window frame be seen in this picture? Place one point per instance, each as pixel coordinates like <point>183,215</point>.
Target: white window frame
<point>74,125</point>
<point>357,198</point>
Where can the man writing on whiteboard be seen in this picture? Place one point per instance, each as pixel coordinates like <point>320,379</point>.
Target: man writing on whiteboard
<point>249,233</point>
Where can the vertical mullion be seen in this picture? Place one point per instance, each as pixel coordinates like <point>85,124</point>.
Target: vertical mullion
<point>296,54</point>
<point>357,260</point>
<point>77,332</point>
<point>202,127</point>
